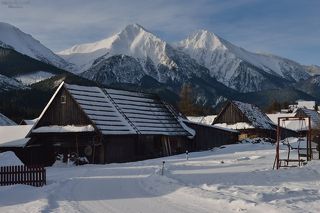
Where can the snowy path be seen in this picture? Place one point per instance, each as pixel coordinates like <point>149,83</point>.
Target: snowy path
<point>244,182</point>
<point>114,189</point>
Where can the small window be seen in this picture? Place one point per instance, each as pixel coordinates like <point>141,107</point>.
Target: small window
<point>63,99</point>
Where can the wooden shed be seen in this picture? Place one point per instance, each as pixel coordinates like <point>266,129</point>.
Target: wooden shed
<point>209,136</point>
<point>105,125</point>
<point>249,120</point>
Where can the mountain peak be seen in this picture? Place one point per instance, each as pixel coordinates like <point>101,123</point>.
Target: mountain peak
<point>203,39</point>
<point>134,26</point>
<point>133,41</point>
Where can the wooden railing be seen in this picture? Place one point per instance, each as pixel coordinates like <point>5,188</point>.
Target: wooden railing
<point>29,175</point>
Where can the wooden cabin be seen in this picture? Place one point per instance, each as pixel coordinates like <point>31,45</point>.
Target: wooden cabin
<point>249,120</point>
<point>209,136</point>
<point>105,126</point>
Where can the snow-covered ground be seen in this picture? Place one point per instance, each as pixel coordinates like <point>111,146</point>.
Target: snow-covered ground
<point>237,178</point>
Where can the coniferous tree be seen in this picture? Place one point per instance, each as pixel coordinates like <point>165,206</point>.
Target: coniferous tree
<point>186,103</point>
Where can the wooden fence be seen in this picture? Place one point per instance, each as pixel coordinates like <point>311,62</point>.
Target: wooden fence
<point>29,175</point>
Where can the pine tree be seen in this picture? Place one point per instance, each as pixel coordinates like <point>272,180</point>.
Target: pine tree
<point>186,103</point>
<point>275,106</point>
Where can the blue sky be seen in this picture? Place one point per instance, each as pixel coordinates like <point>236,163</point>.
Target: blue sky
<point>289,28</point>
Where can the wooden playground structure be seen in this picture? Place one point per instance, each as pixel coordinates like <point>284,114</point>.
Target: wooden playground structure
<point>304,154</point>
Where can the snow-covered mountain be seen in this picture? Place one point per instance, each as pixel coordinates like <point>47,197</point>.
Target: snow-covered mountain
<point>313,69</point>
<point>238,68</point>
<point>133,41</point>
<point>14,38</point>
<point>129,55</point>
<point>135,52</point>
<point>7,83</point>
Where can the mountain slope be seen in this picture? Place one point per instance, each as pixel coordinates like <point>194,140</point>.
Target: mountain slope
<point>313,69</point>
<point>24,68</point>
<point>229,63</point>
<point>265,98</point>
<point>7,84</point>
<point>310,86</point>
<point>14,38</point>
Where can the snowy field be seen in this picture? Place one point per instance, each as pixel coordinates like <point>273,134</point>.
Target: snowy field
<point>237,178</point>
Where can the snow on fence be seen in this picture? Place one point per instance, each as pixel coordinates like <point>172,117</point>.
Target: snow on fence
<point>29,175</point>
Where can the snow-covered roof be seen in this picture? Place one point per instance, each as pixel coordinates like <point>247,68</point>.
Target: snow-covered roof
<point>314,116</point>
<point>99,108</point>
<point>63,129</point>
<point>14,136</point>
<point>274,116</point>
<point>146,112</point>
<point>212,126</point>
<point>239,125</point>
<point>257,118</point>
<point>30,121</point>
<point>208,119</point>
<point>5,121</point>
<point>125,112</point>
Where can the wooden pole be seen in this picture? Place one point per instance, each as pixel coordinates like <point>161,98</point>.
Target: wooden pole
<point>278,145</point>
<point>309,148</point>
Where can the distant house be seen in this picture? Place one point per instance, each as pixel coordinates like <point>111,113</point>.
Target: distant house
<point>303,104</point>
<point>299,125</point>
<point>249,120</point>
<point>105,125</point>
<point>5,121</point>
<point>314,117</point>
<point>306,104</point>
<point>209,136</point>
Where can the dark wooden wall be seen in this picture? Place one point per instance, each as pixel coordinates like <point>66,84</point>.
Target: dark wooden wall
<point>208,137</point>
<point>230,115</point>
<point>68,113</point>
<point>125,148</point>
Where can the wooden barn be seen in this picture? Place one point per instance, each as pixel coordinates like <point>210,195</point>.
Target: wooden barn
<point>209,136</point>
<point>104,125</point>
<point>249,120</point>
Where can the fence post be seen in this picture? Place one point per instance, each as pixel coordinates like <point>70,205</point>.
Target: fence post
<point>1,176</point>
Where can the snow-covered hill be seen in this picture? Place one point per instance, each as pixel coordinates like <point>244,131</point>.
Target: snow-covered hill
<point>12,37</point>
<point>7,83</point>
<point>237,67</point>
